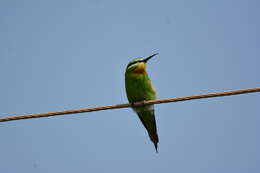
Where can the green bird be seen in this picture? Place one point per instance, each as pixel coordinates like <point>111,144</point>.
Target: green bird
<point>139,88</point>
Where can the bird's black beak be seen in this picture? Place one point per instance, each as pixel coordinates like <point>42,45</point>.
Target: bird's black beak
<point>149,57</point>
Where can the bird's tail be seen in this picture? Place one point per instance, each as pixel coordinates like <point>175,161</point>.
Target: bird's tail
<point>149,122</point>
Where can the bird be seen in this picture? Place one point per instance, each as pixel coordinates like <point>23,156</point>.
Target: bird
<point>139,88</point>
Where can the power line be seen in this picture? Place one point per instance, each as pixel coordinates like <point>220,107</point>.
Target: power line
<point>118,106</point>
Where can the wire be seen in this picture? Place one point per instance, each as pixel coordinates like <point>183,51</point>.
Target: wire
<point>118,106</point>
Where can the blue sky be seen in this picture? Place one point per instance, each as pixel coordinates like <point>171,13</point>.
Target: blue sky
<point>57,55</point>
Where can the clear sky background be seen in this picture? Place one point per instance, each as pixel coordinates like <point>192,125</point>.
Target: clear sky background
<point>57,55</point>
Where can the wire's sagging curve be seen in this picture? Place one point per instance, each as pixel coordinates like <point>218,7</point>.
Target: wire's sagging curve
<point>118,106</point>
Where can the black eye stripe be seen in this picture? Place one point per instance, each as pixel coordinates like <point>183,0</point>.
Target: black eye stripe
<point>133,63</point>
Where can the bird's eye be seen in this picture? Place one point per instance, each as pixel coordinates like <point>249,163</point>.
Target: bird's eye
<point>132,63</point>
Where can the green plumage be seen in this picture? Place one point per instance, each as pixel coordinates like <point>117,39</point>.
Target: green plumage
<point>139,88</point>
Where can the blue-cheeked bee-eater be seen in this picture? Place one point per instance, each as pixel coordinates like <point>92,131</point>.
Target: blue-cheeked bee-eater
<point>139,88</point>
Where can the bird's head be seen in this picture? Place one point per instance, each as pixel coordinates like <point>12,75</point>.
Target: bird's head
<point>138,65</point>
